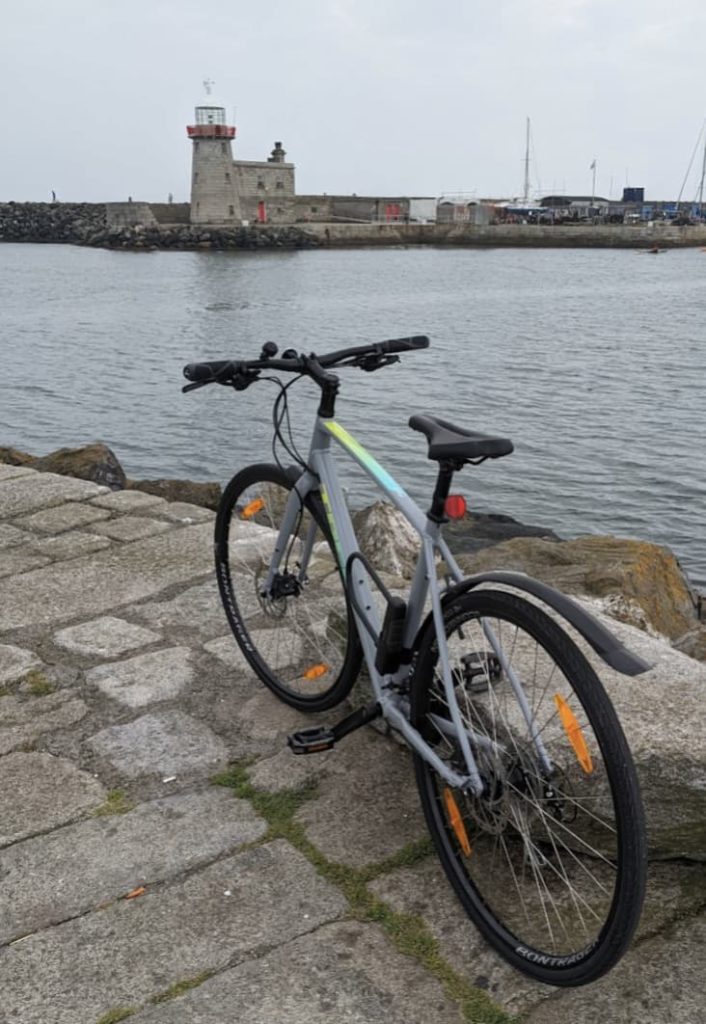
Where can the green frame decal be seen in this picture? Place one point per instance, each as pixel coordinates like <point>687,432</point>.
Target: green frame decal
<point>364,457</point>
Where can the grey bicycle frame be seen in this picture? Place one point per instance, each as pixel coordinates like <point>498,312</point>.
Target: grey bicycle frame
<point>324,478</point>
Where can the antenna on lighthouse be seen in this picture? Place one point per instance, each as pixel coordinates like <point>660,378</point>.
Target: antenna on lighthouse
<point>208,84</point>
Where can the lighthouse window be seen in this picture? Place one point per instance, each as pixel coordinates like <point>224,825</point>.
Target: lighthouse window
<point>196,176</point>
<point>223,148</point>
<point>231,211</point>
<point>260,183</point>
<point>280,184</point>
<point>227,176</point>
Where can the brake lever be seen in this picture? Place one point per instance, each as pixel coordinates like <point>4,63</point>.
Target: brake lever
<point>196,384</point>
<point>241,381</point>
<point>375,362</point>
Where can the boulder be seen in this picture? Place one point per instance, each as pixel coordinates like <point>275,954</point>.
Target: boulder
<point>641,583</point>
<point>95,462</point>
<point>479,530</point>
<point>386,539</point>
<point>14,457</point>
<point>661,712</point>
<point>693,643</point>
<point>206,494</point>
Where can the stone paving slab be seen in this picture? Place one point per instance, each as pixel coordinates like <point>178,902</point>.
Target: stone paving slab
<point>15,662</point>
<point>106,857</point>
<point>134,950</point>
<point>278,647</point>
<point>29,493</point>
<point>129,501</point>
<point>10,536</point>
<point>131,528</point>
<point>368,810</point>
<point>184,512</point>
<point>146,678</point>
<point>106,637</point>
<point>268,721</point>
<point>163,743</point>
<point>345,973</point>
<point>21,559</point>
<point>285,770</point>
<point>63,517</point>
<point>97,583</point>
<point>39,792</point>
<point>23,721</point>
<point>72,544</point>
<point>197,608</point>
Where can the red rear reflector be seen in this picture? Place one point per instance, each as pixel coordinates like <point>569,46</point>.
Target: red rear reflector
<point>455,506</point>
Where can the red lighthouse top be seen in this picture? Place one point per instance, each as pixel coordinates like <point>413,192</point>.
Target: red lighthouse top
<point>210,131</point>
<point>210,120</point>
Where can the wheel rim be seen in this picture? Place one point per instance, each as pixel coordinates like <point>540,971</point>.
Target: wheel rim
<point>544,849</point>
<point>297,632</point>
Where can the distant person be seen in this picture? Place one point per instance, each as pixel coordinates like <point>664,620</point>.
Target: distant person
<point>53,196</point>
<point>129,199</point>
<point>170,198</point>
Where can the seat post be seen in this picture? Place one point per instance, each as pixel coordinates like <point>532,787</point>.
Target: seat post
<point>447,468</point>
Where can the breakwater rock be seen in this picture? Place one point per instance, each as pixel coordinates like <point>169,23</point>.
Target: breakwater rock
<point>186,236</point>
<point>89,224</point>
<point>51,222</point>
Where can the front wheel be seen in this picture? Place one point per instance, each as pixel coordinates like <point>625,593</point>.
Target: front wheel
<point>298,633</point>
<point>550,861</point>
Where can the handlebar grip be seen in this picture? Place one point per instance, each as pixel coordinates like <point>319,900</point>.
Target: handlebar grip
<point>206,371</point>
<point>405,344</point>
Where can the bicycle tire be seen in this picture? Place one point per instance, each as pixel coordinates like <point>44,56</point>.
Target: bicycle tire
<point>529,828</point>
<point>303,646</point>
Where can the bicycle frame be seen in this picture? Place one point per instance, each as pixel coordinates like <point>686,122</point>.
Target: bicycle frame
<point>324,477</point>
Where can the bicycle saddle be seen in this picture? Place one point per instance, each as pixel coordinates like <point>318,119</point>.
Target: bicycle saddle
<point>447,441</point>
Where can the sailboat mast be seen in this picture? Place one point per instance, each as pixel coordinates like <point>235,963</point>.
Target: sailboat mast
<point>701,184</point>
<point>525,196</point>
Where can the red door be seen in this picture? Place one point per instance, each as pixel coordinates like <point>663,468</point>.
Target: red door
<point>261,212</point>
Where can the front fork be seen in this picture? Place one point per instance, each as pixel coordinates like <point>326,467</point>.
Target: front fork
<point>294,507</point>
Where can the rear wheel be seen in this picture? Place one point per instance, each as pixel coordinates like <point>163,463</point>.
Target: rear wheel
<point>299,636</point>
<point>550,861</point>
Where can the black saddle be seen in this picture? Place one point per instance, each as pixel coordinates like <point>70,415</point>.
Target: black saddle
<point>447,441</point>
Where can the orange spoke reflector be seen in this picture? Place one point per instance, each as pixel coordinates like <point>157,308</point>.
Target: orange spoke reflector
<point>455,506</point>
<point>315,671</point>
<point>456,821</point>
<point>252,508</point>
<point>575,734</point>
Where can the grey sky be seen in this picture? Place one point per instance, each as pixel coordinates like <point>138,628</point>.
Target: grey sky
<point>368,96</point>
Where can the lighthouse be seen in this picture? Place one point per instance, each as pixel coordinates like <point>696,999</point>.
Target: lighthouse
<point>214,193</point>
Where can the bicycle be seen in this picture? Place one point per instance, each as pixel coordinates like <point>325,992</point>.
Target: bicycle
<point>524,774</point>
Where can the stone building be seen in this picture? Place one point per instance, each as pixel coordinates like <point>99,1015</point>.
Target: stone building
<point>228,192</point>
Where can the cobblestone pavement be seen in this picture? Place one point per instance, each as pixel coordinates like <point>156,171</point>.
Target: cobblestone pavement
<point>146,873</point>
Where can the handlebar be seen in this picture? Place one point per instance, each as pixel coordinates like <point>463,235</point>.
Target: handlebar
<point>242,373</point>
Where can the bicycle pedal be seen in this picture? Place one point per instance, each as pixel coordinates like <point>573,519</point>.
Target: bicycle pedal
<point>311,741</point>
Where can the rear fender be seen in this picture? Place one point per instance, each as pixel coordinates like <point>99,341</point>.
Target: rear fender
<point>603,642</point>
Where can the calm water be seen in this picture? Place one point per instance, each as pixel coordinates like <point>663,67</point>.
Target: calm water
<point>591,361</point>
